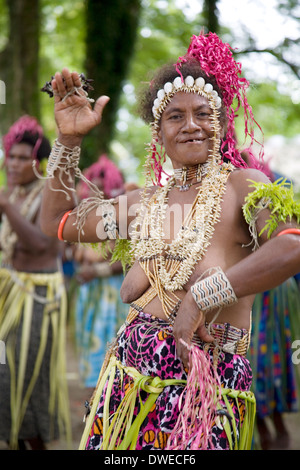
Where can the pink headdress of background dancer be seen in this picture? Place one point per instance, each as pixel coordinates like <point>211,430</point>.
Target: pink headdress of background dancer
<point>106,175</point>
<point>27,129</point>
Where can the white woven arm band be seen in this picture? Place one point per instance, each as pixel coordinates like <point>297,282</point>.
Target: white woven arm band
<point>213,292</point>
<point>62,157</point>
<point>109,220</point>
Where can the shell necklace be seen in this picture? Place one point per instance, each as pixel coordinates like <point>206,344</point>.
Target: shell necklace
<point>186,175</point>
<point>193,238</point>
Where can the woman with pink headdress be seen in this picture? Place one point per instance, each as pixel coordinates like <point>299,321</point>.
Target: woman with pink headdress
<point>98,310</point>
<point>201,246</point>
<point>33,389</point>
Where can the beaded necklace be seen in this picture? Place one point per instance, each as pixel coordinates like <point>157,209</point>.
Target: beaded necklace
<point>187,174</point>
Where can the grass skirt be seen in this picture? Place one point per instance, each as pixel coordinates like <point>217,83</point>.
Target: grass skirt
<point>33,392</point>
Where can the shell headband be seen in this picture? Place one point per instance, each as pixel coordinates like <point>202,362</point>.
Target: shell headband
<point>189,85</point>
<point>163,97</point>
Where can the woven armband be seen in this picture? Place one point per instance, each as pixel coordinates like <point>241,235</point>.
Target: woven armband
<point>62,158</point>
<point>214,291</point>
<point>109,220</point>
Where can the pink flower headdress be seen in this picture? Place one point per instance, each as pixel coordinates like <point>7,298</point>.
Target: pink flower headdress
<point>25,124</point>
<point>104,169</point>
<point>216,58</point>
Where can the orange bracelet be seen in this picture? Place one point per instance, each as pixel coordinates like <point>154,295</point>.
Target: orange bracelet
<point>296,231</point>
<point>62,224</point>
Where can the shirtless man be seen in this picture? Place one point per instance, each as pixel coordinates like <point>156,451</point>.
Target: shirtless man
<point>168,284</point>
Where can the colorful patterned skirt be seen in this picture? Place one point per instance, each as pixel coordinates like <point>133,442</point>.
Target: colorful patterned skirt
<point>141,390</point>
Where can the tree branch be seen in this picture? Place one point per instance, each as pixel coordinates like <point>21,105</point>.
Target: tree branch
<point>278,53</point>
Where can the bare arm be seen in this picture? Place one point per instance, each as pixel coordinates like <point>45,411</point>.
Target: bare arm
<point>30,236</point>
<point>74,117</point>
<point>268,267</point>
<point>275,261</point>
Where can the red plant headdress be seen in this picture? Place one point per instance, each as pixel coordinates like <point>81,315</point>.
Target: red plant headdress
<point>216,58</point>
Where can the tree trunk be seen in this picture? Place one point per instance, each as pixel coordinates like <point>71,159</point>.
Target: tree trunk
<point>111,32</point>
<point>19,62</point>
<point>210,13</point>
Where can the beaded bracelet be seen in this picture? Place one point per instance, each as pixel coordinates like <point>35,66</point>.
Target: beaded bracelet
<point>214,291</point>
<point>62,224</point>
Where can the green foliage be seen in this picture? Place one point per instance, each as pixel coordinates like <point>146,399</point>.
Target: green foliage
<point>122,252</point>
<point>164,33</point>
<point>280,200</point>
<point>275,111</point>
<point>62,44</point>
<point>3,25</point>
<point>108,57</point>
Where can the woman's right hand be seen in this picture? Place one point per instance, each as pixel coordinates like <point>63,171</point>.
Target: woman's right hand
<point>74,114</point>
<point>189,320</point>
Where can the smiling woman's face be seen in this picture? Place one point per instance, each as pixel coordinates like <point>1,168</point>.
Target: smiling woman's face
<point>186,129</point>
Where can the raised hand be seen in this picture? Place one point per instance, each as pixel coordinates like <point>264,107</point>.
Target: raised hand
<point>74,114</point>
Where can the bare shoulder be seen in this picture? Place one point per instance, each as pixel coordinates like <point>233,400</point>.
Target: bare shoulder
<point>242,180</point>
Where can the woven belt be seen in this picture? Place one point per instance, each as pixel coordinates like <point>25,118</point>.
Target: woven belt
<point>230,339</point>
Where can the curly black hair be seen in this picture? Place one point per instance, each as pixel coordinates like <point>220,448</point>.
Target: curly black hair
<point>44,148</point>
